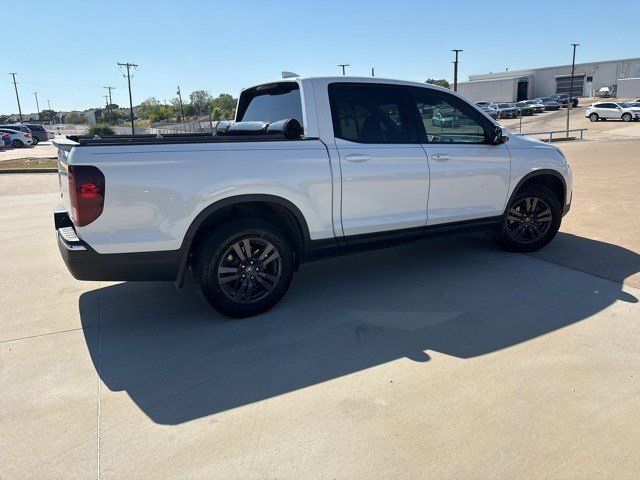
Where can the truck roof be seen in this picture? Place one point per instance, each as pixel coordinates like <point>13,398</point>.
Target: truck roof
<point>345,78</point>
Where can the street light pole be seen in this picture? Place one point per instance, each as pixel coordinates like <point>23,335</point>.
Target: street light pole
<point>344,65</point>
<point>37,105</point>
<point>573,71</point>
<point>128,65</point>
<point>455,69</point>
<point>373,71</point>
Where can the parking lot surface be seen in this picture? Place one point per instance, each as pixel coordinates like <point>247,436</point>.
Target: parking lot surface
<point>446,358</point>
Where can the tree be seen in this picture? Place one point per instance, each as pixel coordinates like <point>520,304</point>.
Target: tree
<point>112,106</point>
<point>201,101</point>
<point>441,83</point>
<point>47,115</point>
<point>73,117</point>
<point>101,130</point>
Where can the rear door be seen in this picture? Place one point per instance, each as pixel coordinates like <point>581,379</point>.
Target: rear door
<point>385,176</point>
<point>469,178</point>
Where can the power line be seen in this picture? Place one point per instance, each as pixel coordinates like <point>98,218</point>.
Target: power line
<point>128,66</point>
<point>15,86</point>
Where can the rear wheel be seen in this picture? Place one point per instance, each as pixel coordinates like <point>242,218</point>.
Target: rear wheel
<point>35,141</point>
<point>626,117</point>
<point>593,117</point>
<point>531,221</point>
<point>244,267</point>
<point>17,143</point>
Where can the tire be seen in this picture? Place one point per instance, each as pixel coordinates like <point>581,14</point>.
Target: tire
<point>238,285</point>
<point>17,143</point>
<point>626,117</point>
<point>593,117</point>
<point>35,141</point>
<point>532,209</point>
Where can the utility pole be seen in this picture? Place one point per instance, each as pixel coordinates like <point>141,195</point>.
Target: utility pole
<point>181,104</point>
<point>15,85</point>
<point>373,71</point>
<point>106,101</point>
<point>49,104</point>
<point>37,105</point>
<point>110,88</point>
<point>573,71</point>
<point>129,65</point>
<point>344,65</point>
<point>455,69</point>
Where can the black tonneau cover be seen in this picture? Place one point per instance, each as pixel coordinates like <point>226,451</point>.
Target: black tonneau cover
<point>225,132</point>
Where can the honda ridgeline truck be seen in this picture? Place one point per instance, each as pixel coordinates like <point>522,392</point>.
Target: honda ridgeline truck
<point>311,168</point>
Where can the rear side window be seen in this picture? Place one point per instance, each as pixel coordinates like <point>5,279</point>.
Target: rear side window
<point>37,128</point>
<point>270,103</point>
<point>368,113</point>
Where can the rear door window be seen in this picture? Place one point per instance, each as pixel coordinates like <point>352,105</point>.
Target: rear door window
<point>270,103</point>
<point>368,113</point>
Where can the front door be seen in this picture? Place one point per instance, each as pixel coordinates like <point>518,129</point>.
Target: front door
<point>469,178</point>
<point>385,177</point>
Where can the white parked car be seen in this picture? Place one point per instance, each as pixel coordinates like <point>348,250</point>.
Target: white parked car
<point>18,138</point>
<point>51,134</point>
<point>612,110</point>
<point>312,168</point>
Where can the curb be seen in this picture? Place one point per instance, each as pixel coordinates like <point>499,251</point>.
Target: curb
<point>29,170</point>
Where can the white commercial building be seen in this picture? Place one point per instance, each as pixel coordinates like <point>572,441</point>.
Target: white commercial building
<point>621,76</point>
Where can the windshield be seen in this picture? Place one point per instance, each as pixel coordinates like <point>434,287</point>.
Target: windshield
<point>624,105</point>
<point>504,105</point>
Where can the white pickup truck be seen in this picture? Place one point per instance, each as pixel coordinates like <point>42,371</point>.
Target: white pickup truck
<point>371,163</point>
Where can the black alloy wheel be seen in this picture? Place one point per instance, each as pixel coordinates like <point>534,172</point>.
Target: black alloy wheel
<point>250,270</point>
<point>528,220</point>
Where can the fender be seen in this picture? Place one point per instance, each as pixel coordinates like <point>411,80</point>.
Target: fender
<point>537,173</point>
<point>185,248</point>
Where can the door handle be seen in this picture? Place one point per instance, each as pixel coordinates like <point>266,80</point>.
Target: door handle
<point>441,157</point>
<point>357,158</point>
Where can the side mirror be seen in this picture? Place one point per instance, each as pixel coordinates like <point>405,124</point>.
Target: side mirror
<point>499,135</point>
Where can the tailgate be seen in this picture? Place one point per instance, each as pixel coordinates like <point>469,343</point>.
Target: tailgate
<point>64,152</point>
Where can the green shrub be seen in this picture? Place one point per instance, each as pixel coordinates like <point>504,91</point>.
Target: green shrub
<point>101,130</point>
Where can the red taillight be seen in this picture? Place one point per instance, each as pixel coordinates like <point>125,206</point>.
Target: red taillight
<point>27,135</point>
<point>86,193</point>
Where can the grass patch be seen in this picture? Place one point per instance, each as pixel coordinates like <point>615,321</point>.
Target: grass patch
<point>29,163</point>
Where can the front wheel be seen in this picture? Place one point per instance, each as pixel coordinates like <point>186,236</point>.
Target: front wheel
<point>244,267</point>
<point>627,117</point>
<point>593,117</point>
<point>35,141</point>
<point>531,221</point>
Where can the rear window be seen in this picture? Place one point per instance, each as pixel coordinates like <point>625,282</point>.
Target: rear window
<point>37,128</point>
<point>270,103</point>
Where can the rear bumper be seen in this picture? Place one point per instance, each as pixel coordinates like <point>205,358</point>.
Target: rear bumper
<point>85,263</point>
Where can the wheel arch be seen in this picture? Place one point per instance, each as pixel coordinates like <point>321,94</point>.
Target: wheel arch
<point>278,210</point>
<point>552,179</point>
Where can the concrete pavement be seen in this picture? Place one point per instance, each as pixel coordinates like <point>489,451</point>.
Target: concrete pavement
<point>447,358</point>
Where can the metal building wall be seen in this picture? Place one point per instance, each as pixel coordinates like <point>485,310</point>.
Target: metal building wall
<point>499,90</point>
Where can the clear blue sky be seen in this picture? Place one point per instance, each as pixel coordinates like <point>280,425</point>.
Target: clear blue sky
<point>69,49</point>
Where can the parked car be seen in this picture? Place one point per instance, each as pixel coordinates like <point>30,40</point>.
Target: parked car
<point>538,107</point>
<point>612,110</point>
<point>6,139</point>
<point>563,99</point>
<point>51,134</point>
<point>483,104</point>
<point>18,138</point>
<point>445,117</point>
<point>549,103</point>
<point>493,113</point>
<point>38,132</point>
<point>505,110</point>
<point>524,108</point>
<point>242,232</point>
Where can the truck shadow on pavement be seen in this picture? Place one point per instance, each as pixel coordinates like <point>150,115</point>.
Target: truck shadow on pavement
<point>179,360</point>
